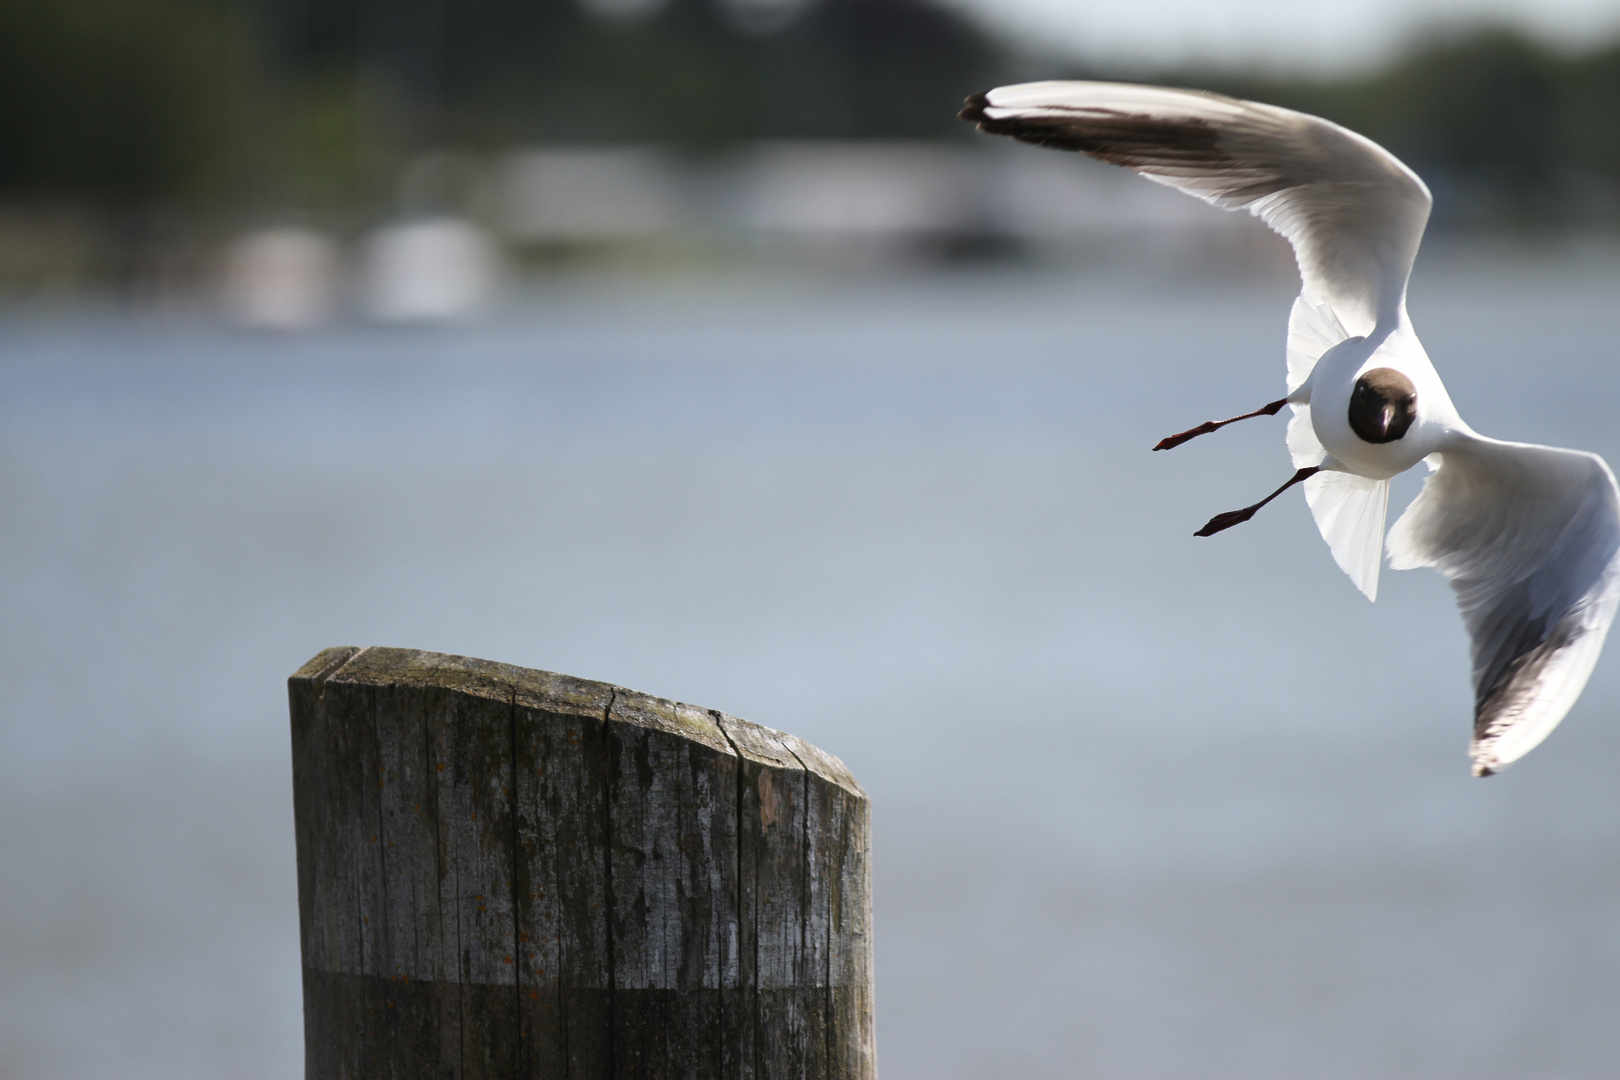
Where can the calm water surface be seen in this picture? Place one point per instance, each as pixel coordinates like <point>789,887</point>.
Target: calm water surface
<point>1145,806</point>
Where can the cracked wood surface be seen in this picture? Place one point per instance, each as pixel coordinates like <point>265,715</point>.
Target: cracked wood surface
<point>514,873</point>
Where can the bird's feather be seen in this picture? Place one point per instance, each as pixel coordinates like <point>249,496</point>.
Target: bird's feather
<point>1349,512</point>
<point>1313,329</point>
<point>1353,213</point>
<point>1529,538</point>
<point>1303,446</point>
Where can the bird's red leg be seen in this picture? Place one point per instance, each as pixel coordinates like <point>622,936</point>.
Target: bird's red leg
<point>1214,425</point>
<point>1238,517</point>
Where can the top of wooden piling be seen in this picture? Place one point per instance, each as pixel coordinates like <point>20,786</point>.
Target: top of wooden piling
<point>552,692</point>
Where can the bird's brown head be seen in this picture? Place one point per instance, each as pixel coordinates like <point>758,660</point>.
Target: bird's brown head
<point>1383,405</point>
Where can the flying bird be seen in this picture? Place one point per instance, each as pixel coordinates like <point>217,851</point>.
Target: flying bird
<point>1528,536</point>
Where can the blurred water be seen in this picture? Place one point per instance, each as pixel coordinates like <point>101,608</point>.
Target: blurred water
<point>1145,806</point>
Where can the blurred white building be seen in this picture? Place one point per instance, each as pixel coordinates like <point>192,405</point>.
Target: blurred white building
<point>583,195</point>
<point>856,190</point>
<point>431,270</point>
<point>283,278</point>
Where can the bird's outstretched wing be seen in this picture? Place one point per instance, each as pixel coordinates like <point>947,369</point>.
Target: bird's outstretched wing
<point>1529,537</point>
<point>1353,213</point>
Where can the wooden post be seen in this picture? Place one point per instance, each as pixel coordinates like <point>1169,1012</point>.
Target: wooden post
<point>511,873</point>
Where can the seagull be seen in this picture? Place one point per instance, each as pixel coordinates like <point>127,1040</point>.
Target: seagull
<point>1528,536</point>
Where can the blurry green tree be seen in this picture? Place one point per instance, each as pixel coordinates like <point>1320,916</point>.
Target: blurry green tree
<point>229,105</point>
<point>117,100</point>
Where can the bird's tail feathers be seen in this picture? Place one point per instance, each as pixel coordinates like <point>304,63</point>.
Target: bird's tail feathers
<point>1349,512</point>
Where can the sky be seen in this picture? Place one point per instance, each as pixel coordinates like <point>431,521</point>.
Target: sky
<point>1283,34</point>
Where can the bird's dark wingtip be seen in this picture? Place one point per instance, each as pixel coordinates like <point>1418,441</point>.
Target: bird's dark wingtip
<point>973,108</point>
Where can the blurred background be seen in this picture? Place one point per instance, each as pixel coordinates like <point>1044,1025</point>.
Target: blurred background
<point>694,345</point>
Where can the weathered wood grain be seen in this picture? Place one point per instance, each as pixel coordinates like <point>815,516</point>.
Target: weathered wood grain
<point>840,830</point>
<point>564,982</point>
<point>514,873</point>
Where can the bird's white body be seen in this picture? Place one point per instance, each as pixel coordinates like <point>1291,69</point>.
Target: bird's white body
<point>1329,388</point>
<point>1528,536</point>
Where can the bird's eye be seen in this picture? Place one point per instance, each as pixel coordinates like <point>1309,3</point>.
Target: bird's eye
<point>1383,405</point>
